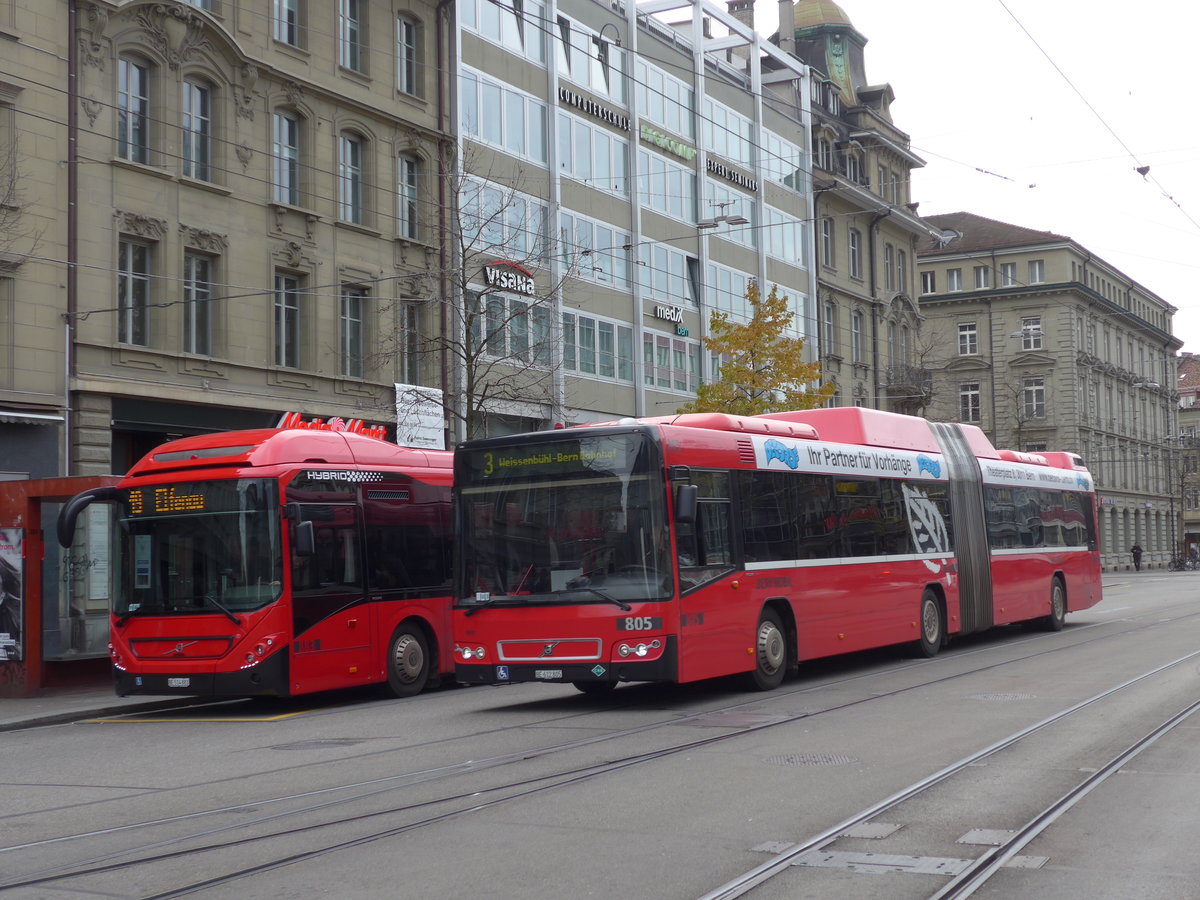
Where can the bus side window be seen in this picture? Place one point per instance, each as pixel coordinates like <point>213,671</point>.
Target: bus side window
<point>705,548</point>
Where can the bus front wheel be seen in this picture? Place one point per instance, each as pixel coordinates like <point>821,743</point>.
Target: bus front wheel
<point>408,661</point>
<point>770,653</point>
<point>933,629</point>
<point>1058,607</point>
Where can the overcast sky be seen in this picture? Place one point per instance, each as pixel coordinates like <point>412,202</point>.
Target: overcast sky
<point>1038,113</point>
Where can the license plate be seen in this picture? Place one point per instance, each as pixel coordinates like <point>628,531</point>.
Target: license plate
<point>179,682</point>
<point>548,674</point>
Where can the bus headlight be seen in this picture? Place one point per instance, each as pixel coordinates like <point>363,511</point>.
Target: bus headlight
<point>640,649</point>
<point>470,653</point>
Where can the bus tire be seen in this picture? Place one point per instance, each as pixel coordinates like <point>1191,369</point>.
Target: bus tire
<point>1058,606</point>
<point>931,624</point>
<point>408,661</point>
<point>770,653</point>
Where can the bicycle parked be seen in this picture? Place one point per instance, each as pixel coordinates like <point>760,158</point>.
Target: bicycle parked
<point>1180,564</point>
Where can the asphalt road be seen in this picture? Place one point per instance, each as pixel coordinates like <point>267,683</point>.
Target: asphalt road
<point>874,776</point>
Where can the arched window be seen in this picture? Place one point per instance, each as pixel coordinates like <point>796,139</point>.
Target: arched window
<point>285,157</point>
<point>408,222</point>
<point>196,126</point>
<point>407,51</point>
<point>133,110</point>
<point>351,159</point>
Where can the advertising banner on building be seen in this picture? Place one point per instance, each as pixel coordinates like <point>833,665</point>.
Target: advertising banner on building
<point>420,419</point>
<point>12,575</point>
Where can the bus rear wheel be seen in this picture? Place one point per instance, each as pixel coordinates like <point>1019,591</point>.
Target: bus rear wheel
<point>1058,607</point>
<point>770,653</point>
<point>408,661</point>
<point>933,628</point>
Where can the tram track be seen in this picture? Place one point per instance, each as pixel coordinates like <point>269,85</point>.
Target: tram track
<point>478,800</point>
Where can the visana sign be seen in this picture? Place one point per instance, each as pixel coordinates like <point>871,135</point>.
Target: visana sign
<point>506,276</point>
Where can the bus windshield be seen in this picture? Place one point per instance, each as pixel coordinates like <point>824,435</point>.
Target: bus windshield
<point>198,546</point>
<point>564,520</point>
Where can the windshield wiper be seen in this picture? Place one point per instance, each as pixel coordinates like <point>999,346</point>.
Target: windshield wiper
<point>603,595</point>
<point>211,597</point>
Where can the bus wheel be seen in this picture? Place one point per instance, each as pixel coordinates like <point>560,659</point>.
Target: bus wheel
<point>1058,607</point>
<point>932,628</point>
<point>594,688</point>
<point>407,661</point>
<point>770,653</point>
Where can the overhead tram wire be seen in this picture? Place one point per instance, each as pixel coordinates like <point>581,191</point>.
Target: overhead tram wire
<point>1139,166</point>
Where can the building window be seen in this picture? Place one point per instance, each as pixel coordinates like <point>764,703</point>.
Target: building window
<point>1008,274</point>
<point>285,158</point>
<point>287,320</point>
<point>410,342</point>
<point>1037,271</point>
<point>928,282</point>
<point>503,116</point>
<point>133,293</point>
<point>830,328</point>
<point>514,328</point>
<point>954,279</point>
<point>197,307</point>
<point>1031,332</point>
<point>133,111</point>
<point>285,16</point>
<point>350,32</point>
<point>823,151</point>
<point>408,224</point>
<point>891,344</point>
<point>902,271</point>
<point>983,278</point>
<point>968,402</point>
<point>1033,397</point>
<point>853,168</point>
<point>827,242</point>
<point>968,339</point>
<point>889,267</point>
<point>597,348</point>
<point>671,364</point>
<point>856,322</point>
<point>596,251</point>
<point>351,321</point>
<point>855,249</point>
<point>350,178</point>
<point>197,131</point>
<point>406,56</point>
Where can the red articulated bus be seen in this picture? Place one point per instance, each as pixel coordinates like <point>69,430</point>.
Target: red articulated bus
<point>702,545</point>
<point>279,562</point>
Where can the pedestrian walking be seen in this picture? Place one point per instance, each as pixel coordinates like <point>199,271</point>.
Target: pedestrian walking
<point>1136,550</point>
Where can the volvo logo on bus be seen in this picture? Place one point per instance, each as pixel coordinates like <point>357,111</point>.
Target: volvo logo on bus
<point>548,650</point>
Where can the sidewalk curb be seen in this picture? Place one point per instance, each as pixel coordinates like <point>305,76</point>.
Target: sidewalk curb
<point>78,715</point>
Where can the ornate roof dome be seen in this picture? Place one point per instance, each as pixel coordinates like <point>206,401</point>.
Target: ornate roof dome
<point>811,13</point>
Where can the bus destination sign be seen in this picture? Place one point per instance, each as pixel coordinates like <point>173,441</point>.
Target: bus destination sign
<point>160,500</point>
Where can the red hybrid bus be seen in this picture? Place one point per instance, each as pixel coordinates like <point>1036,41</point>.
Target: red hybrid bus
<point>308,557</point>
<point>693,546</point>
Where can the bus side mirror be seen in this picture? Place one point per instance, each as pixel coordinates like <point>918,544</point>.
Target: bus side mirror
<point>304,542</point>
<point>73,507</point>
<point>686,496</point>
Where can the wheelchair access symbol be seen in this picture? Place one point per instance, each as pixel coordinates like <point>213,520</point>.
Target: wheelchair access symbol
<point>502,673</point>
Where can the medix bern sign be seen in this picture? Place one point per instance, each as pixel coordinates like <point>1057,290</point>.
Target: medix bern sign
<point>337,423</point>
<point>508,276</point>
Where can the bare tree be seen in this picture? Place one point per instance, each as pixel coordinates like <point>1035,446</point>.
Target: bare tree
<point>491,326</point>
<point>18,241</point>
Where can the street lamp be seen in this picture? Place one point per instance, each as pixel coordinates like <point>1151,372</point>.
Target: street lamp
<point>727,219</point>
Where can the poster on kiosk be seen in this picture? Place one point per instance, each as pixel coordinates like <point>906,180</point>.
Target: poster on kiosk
<point>12,574</point>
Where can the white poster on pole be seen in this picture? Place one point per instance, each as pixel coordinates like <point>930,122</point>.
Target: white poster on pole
<point>420,417</point>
